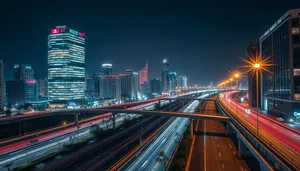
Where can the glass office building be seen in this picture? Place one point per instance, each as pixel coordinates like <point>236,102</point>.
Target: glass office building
<point>281,88</point>
<point>66,65</point>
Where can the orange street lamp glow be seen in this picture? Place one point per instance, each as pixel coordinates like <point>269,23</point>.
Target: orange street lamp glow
<point>256,65</point>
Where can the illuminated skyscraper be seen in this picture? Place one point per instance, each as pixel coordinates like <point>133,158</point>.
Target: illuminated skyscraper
<point>129,85</point>
<point>66,65</point>
<point>168,77</point>
<point>1,85</point>
<point>106,69</point>
<point>23,72</point>
<point>182,81</point>
<point>110,87</point>
<point>144,79</point>
<point>165,69</point>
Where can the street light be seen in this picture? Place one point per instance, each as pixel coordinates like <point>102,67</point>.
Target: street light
<point>237,75</point>
<point>257,65</point>
<point>231,79</point>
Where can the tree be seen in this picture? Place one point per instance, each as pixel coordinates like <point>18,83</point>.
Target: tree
<point>162,158</point>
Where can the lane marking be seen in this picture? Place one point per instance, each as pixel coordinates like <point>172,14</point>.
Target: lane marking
<point>230,145</point>
<point>191,150</point>
<point>242,168</point>
<point>145,163</point>
<point>233,152</point>
<point>223,166</point>
<point>219,154</point>
<point>217,145</point>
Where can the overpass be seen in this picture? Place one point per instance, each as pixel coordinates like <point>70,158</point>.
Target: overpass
<point>8,120</point>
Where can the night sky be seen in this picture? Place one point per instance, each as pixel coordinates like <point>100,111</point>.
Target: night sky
<point>201,39</point>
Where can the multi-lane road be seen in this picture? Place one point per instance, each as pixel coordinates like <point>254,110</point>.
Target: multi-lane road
<point>212,149</point>
<point>24,153</point>
<point>282,139</point>
<point>166,142</point>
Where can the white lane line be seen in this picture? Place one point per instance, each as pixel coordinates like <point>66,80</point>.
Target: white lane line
<point>223,166</point>
<point>233,152</point>
<point>145,163</point>
<point>242,168</point>
<point>217,145</point>
<point>220,154</point>
<point>230,145</point>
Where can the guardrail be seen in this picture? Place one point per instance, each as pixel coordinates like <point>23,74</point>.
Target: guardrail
<point>264,148</point>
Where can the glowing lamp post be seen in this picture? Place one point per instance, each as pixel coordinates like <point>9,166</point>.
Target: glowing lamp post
<point>257,65</point>
<point>237,80</point>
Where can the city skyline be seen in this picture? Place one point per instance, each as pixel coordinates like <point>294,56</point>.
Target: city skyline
<point>129,39</point>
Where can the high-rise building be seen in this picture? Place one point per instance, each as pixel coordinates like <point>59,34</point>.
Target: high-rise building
<point>156,86</point>
<point>129,85</point>
<point>15,92</point>
<point>31,90</point>
<point>23,72</point>
<point>182,81</point>
<point>172,77</point>
<point>144,87</point>
<point>110,87</point>
<point>42,83</point>
<point>106,69</point>
<point>91,85</point>
<point>23,79</point>
<point>66,65</point>
<point>281,88</point>
<point>165,80</point>
<point>1,85</point>
<point>253,51</point>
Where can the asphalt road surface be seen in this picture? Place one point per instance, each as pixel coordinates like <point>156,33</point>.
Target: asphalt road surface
<point>213,150</point>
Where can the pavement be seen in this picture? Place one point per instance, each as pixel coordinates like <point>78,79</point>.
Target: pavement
<point>166,141</point>
<point>213,150</point>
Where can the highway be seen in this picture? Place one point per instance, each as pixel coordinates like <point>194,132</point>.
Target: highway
<point>23,143</point>
<point>29,115</point>
<point>166,141</point>
<point>24,153</point>
<point>212,149</point>
<point>282,139</point>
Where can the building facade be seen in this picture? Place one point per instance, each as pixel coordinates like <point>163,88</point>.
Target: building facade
<point>281,89</point>
<point>1,85</point>
<point>165,69</point>
<point>66,65</point>
<point>42,83</point>
<point>156,86</point>
<point>144,83</point>
<point>129,85</point>
<point>182,81</point>
<point>172,77</point>
<point>110,87</point>
<point>106,69</point>
<point>23,72</point>
<point>15,92</point>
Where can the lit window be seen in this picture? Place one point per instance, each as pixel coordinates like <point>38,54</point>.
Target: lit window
<point>295,30</point>
<point>296,96</point>
<point>296,71</point>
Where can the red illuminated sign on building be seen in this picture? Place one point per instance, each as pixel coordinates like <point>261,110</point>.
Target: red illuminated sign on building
<point>55,31</point>
<point>30,81</point>
<point>81,34</point>
<point>58,30</point>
